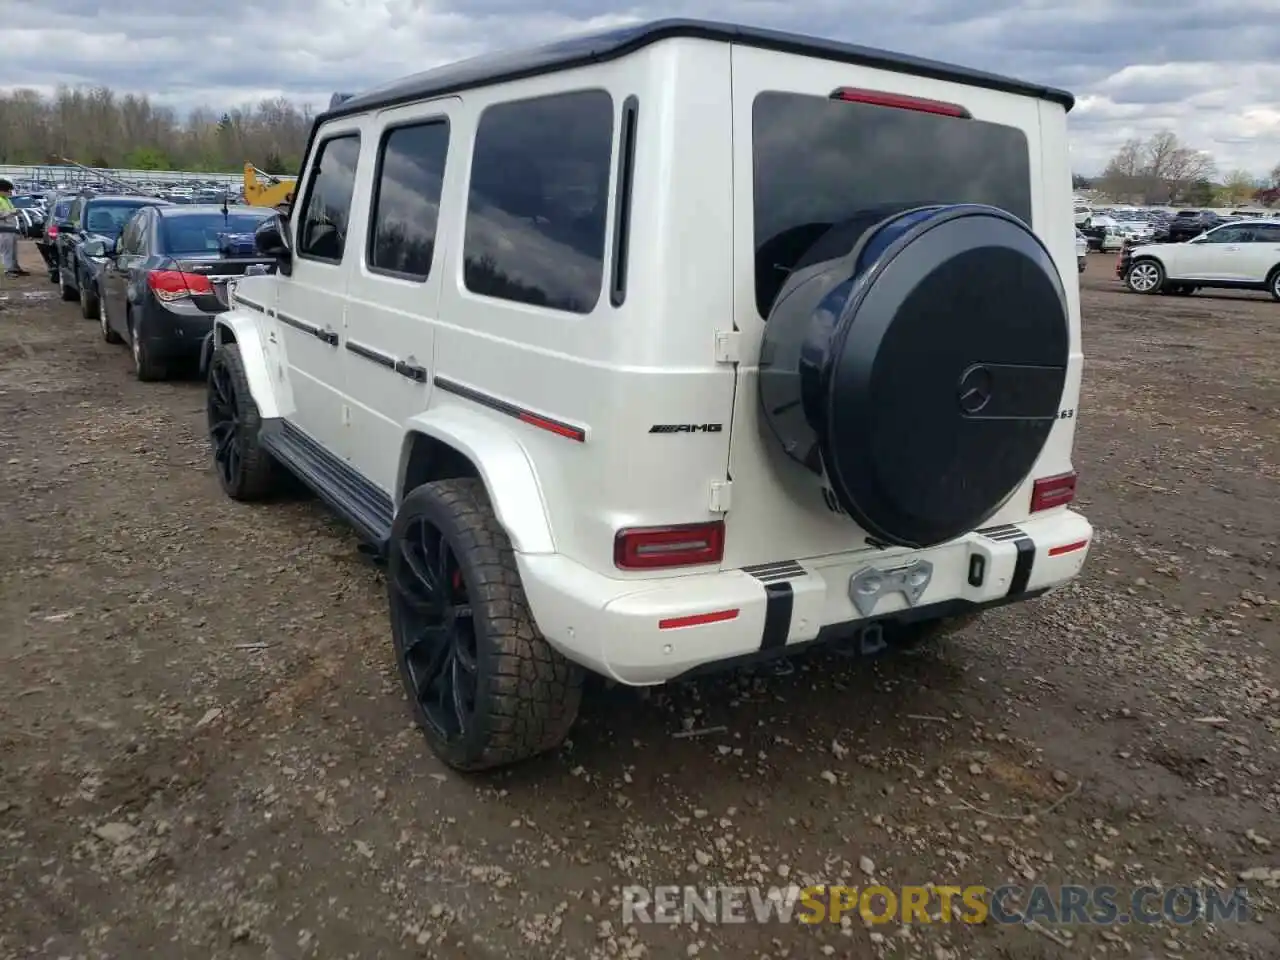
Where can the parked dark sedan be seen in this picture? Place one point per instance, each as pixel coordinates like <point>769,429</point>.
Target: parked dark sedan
<point>100,217</point>
<point>167,276</point>
<point>57,209</point>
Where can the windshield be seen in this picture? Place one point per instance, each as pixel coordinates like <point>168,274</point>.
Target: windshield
<point>24,203</point>
<point>108,218</point>
<point>208,233</point>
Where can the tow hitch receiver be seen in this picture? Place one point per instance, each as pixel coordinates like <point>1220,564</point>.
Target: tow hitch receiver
<point>910,579</point>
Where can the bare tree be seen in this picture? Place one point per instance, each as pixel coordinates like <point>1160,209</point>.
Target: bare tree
<point>100,127</point>
<point>1238,187</point>
<point>1159,169</point>
<point>1124,175</point>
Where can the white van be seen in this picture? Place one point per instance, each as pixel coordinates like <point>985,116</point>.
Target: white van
<point>667,349</point>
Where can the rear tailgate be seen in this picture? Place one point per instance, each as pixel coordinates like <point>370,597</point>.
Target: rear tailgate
<point>219,271</point>
<point>775,513</point>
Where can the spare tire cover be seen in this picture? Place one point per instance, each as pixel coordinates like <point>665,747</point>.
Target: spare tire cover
<point>915,367</point>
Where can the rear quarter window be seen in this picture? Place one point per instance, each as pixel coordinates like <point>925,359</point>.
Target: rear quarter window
<point>819,163</point>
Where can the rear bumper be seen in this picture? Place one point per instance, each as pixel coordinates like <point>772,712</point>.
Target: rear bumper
<point>177,335</point>
<point>645,632</point>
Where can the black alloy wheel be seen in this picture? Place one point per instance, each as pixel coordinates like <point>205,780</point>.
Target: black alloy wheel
<point>224,424</point>
<point>436,631</point>
<point>246,471</point>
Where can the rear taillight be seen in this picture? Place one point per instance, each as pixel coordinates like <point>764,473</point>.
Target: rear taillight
<point>878,98</point>
<point>647,548</point>
<point>1050,492</point>
<point>171,285</point>
<point>53,231</point>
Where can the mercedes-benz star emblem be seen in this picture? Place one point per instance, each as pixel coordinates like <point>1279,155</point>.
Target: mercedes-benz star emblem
<point>975,389</point>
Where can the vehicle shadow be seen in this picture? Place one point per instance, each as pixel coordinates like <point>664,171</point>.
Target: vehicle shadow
<point>773,713</point>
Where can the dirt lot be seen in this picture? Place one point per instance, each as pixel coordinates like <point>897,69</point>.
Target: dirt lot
<point>205,752</point>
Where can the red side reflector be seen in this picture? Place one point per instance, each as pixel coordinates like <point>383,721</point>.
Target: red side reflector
<point>697,619</point>
<point>1068,548</point>
<point>552,426</point>
<point>878,98</point>
<point>1050,492</point>
<point>647,548</point>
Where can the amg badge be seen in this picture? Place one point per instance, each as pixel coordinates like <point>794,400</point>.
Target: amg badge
<point>686,428</point>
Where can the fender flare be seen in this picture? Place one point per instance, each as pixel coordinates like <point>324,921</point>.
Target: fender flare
<point>245,330</point>
<point>503,465</point>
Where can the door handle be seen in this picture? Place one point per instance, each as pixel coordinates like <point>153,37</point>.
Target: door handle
<point>412,371</point>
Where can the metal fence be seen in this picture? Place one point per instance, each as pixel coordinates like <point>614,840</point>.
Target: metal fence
<point>74,176</point>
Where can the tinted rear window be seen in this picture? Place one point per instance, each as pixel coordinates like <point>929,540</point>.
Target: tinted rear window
<point>205,232</point>
<point>820,162</point>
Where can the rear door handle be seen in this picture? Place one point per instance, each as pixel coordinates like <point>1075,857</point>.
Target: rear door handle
<point>412,371</point>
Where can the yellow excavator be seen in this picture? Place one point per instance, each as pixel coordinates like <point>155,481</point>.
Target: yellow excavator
<point>265,190</point>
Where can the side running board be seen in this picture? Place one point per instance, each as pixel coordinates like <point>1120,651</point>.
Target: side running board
<point>362,504</point>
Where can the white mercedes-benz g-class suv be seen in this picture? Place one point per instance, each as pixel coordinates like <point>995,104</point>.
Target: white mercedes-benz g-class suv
<point>665,349</point>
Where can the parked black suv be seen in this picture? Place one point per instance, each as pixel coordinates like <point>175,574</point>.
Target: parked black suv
<point>96,216</point>
<point>1189,224</point>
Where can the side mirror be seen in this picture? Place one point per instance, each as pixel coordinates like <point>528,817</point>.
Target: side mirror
<point>271,238</point>
<point>96,248</point>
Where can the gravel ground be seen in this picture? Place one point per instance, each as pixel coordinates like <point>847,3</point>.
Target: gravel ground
<point>205,752</point>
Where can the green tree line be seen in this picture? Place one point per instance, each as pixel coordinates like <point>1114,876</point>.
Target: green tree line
<point>101,128</point>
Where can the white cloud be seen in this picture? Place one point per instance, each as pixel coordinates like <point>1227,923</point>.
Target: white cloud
<point>1206,68</point>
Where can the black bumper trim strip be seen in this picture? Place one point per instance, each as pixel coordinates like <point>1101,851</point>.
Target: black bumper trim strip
<point>779,600</point>
<point>1026,559</point>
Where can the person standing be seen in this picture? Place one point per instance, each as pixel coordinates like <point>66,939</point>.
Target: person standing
<point>9,232</point>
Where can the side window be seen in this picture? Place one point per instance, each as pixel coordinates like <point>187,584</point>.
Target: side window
<point>131,237</point>
<point>1266,233</point>
<point>322,232</point>
<point>538,201</point>
<point>406,199</point>
<point>1230,235</point>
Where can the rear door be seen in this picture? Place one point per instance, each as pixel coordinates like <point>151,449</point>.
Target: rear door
<point>1262,253</point>
<point>802,162</point>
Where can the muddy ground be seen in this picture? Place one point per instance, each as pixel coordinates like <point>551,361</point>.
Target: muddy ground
<point>205,751</point>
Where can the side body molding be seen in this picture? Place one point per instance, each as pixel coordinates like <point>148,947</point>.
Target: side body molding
<point>246,330</point>
<point>502,463</point>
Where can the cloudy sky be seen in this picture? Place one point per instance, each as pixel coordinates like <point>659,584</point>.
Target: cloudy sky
<point>1207,68</point>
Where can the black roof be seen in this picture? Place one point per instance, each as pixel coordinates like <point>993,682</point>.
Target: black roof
<point>610,45</point>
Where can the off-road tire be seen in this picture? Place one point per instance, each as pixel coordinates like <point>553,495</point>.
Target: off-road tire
<point>1143,266</point>
<point>89,303</point>
<point>108,333</point>
<point>1273,284</point>
<point>527,693</point>
<point>259,474</point>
